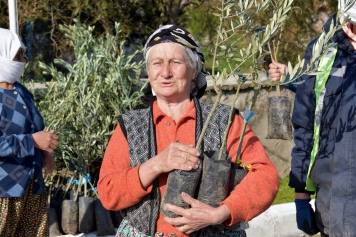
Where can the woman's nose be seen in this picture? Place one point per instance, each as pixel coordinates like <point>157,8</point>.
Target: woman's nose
<point>166,70</point>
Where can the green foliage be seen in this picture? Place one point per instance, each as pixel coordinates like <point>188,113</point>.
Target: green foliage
<point>240,39</point>
<point>137,18</point>
<point>305,22</point>
<point>237,22</point>
<point>319,50</point>
<point>82,105</point>
<point>285,193</point>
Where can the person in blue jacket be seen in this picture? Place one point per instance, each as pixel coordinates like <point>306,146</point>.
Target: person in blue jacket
<point>334,169</point>
<point>25,148</point>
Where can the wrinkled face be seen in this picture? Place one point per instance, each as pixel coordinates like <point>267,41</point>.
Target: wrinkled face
<point>169,72</point>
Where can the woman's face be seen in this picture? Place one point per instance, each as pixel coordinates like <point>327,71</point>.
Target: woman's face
<point>19,57</point>
<point>169,72</point>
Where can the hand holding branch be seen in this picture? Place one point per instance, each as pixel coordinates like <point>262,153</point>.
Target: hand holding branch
<point>277,70</point>
<point>47,141</point>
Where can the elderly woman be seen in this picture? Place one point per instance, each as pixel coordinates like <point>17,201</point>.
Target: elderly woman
<point>25,148</point>
<point>150,143</point>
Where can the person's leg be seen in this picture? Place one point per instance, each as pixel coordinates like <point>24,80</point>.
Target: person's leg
<point>34,216</point>
<point>9,216</point>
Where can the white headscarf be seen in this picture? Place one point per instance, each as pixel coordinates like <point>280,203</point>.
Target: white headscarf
<point>351,12</point>
<point>10,71</point>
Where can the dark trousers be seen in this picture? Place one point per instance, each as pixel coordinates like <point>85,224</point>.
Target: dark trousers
<point>323,235</point>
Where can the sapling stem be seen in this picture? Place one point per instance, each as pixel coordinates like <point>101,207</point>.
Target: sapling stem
<point>238,153</point>
<point>273,58</point>
<point>57,186</point>
<point>206,124</point>
<point>96,193</point>
<point>49,189</point>
<point>86,177</point>
<point>69,184</point>
<point>230,120</point>
<point>79,187</point>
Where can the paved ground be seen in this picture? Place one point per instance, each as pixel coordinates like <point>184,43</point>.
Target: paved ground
<point>276,221</point>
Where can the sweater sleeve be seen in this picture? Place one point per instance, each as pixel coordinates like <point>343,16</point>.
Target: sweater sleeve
<point>259,187</point>
<point>16,145</point>
<point>119,185</point>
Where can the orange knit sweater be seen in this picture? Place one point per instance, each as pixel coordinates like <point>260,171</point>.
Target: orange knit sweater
<point>119,185</point>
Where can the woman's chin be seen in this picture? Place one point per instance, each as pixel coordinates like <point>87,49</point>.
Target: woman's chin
<point>168,93</point>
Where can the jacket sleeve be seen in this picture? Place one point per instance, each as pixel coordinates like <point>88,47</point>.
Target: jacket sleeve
<point>303,123</point>
<point>119,185</point>
<point>258,189</point>
<point>16,145</point>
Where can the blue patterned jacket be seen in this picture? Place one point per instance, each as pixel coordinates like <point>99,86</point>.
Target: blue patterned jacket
<point>20,161</point>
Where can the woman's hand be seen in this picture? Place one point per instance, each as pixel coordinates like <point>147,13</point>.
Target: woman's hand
<point>48,162</point>
<point>175,156</point>
<point>47,141</point>
<point>276,70</point>
<point>178,156</point>
<point>200,215</point>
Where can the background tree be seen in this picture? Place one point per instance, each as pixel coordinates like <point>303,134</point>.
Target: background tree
<point>39,20</point>
<point>304,24</point>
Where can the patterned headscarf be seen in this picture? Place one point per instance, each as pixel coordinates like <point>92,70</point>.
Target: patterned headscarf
<point>176,34</point>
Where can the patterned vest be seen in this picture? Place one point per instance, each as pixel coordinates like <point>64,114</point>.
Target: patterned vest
<point>138,128</point>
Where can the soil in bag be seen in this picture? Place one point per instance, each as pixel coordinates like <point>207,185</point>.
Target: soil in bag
<point>215,178</point>
<point>104,225</point>
<point>86,221</point>
<point>179,181</point>
<point>70,217</point>
<point>279,124</point>
<point>56,204</point>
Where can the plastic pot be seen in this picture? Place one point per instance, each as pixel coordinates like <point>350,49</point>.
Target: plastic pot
<point>69,217</point>
<point>86,220</point>
<point>116,218</point>
<point>53,223</point>
<point>179,181</point>
<point>104,225</point>
<point>237,173</point>
<point>279,123</point>
<point>214,185</point>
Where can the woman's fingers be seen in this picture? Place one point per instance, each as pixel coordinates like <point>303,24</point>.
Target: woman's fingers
<point>189,159</point>
<point>198,216</point>
<point>47,141</point>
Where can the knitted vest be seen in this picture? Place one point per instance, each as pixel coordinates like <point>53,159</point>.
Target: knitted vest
<point>138,128</point>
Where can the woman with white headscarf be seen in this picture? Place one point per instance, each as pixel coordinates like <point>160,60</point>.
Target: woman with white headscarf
<point>24,148</point>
